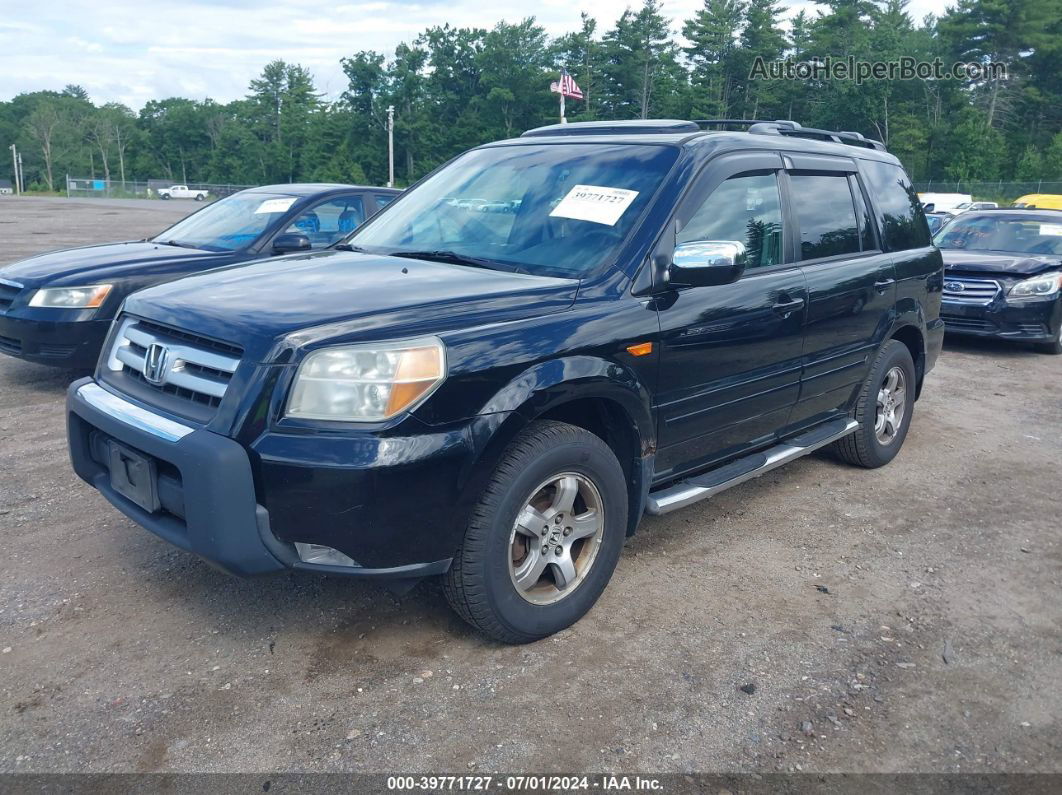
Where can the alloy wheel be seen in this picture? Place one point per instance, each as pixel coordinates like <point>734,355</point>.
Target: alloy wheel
<point>891,406</point>
<point>556,537</point>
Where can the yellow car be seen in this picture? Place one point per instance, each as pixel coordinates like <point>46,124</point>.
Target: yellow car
<point>1041,201</point>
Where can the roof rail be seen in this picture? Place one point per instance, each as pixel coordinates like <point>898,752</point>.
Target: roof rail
<point>795,130</point>
<point>621,127</point>
<point>741,122</point>
<point>666,126</point>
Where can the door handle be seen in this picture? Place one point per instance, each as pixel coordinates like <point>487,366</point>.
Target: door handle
<point>786,308</point>
<point>884,285</point>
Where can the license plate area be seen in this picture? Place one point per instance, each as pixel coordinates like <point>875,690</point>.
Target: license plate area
<point>134,476</point>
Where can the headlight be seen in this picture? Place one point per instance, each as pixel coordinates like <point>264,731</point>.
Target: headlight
<point>1037,287</point>
<point>367,383</point>
<point>71,297</point>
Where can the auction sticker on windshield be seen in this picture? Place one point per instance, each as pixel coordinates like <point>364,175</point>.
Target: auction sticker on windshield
<point>274,205</point>
<point>594,203</point>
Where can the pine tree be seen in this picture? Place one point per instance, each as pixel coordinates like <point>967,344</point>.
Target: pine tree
<point>713,32</point>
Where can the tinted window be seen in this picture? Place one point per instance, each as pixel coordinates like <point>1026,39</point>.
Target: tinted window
<point>745,209</point>
<point>326,223</point>
<point>902,220</point>
<point>827,215</point>
<point>382,200</point>
<point>549,209</point>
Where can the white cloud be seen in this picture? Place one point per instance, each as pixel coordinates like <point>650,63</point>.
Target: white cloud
<point>135,50</point>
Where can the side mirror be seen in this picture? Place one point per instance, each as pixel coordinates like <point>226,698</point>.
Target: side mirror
<point>703,263</point>
<point>290,243</point>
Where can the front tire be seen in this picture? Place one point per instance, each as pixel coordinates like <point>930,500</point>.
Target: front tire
<point>883,409</point>
<point>545,537</point>
<point>1055,347</point>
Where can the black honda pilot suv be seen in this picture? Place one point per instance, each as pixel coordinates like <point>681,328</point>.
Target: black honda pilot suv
<point>493,379</point>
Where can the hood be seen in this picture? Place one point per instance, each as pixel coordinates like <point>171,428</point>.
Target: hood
<point>91,264</point>
<point>273,305</point>
<point>998,262</point>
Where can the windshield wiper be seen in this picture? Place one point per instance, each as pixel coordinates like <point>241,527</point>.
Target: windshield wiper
<point>347,247</point>
<point>448,256</point>
<point>176,243</point>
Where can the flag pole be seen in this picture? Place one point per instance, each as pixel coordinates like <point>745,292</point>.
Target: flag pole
<point>563,120</point>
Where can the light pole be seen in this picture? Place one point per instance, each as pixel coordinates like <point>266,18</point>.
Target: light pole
<point>14,163</point>
<point>390,146</point>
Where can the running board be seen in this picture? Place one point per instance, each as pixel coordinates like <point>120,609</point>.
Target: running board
<point>711,483</point>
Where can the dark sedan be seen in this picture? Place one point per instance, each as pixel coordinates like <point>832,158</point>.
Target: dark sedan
<point>1003,276</point>
<point>55,308</point>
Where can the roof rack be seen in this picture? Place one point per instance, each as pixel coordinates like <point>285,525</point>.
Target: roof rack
<point>621,127</point>
<point>795,130</point>
<point>666,126</point>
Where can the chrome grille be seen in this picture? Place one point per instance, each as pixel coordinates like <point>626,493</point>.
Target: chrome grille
<point>961,290</point>
<point>8,291</point>
<point>184,365</point>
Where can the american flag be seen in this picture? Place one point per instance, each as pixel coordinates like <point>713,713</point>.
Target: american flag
<point>566,86</point>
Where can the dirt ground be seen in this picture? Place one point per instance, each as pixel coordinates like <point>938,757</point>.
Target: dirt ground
<point>938,646</point>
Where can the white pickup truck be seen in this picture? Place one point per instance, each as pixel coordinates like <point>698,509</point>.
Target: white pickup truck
<point>182,192</point>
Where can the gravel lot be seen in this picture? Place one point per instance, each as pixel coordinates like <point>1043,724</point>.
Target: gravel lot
<point>120,653</point>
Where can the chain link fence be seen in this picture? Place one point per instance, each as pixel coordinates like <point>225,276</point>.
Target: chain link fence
<point>989,191</point>
<point>133,189</point>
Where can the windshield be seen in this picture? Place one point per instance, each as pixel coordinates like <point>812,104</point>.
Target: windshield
<point>1023,235</point>
<point>935,222</point>
<point>546,209</point>
<point>230,223</point>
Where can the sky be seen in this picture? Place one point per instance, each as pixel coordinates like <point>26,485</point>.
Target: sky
<point>131,51</point>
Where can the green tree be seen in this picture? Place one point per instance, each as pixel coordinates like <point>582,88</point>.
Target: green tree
<point>641,66</point>
<point>285,99</point>
<point>713,41</point>
<point>49,126</point>
<point>761,37</point>
<point>581,54</point>
<point>513,66</point>
<point>1030,166</point>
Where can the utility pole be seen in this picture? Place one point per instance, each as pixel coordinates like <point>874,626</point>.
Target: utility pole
<point>14,165</point>
<point>390,146</point>
<point>21,180</point>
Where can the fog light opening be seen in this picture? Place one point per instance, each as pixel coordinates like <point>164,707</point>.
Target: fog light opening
<point>320,555</point>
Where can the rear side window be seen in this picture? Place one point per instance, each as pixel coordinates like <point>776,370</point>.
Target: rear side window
<point>902,221</point>
<point>745,209</point>
<point>827,215</point>
<point>382,200</point>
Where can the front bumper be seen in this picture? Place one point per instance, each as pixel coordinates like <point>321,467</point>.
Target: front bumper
<point>60,343</point>
<point>1028,321</point>
<point>207,497</point>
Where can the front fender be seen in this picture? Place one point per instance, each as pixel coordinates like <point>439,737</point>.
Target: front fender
<point>545,387</point>
<point>550,384</point>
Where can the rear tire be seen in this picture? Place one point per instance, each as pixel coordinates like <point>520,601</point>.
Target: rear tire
<point>883,409</point>
<point>545,537</point>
